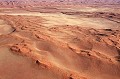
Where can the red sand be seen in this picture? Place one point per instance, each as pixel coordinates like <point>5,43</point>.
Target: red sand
<point>31,50</point>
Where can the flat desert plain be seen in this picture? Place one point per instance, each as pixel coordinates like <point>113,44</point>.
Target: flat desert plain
<point>60,42</point>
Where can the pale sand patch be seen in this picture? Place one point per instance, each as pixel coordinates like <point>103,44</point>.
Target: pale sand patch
<point>87,9</point>
<point>96,9</point>
<point>5,28</point>
<point>98,23</point>
<point>53,19</point>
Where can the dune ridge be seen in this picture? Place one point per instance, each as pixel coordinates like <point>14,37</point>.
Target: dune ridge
<point>59,39</point>
<point>65,48</point>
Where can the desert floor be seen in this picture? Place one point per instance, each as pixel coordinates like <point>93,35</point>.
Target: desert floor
<point>68,42</point>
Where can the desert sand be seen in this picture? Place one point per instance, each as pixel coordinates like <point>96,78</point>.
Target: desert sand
<point>60,42</point>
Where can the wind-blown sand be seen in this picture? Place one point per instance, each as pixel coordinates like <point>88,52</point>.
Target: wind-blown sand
<point>5,28</point>
<point>37,45</point>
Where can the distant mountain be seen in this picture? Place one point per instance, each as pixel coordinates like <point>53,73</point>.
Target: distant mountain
<point>30,3</point>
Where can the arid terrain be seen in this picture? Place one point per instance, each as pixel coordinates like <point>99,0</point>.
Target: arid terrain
<point>59,39</point>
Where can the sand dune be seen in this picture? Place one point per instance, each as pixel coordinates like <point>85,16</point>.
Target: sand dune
<point>62,45</point>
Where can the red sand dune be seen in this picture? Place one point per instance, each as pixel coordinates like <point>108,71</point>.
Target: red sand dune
<point>39,46</point>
